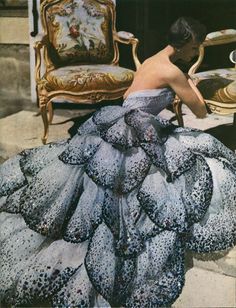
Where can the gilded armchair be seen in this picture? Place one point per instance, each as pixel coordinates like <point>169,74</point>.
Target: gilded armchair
<point>218,86</point>
<point>78,58</point>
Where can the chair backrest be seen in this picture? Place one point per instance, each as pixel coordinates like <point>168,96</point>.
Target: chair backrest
<point>232,57</point>
<point>79,31</point>
<point>212,39</point>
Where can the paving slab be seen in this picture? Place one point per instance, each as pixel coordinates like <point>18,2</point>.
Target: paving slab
<point>24,129</point>
<point>190,120</point>
<point>219,126</point>
<point>221,262</point>
<point>205,289</point>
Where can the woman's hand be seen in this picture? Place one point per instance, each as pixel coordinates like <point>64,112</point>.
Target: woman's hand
<point>196,80</point>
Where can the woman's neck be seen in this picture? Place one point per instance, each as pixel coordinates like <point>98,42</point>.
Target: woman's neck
<point>171,53</point>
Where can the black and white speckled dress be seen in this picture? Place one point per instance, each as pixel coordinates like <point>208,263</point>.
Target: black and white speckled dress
<point>104,219</point>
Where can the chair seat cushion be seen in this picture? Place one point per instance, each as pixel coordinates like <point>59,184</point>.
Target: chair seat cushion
<point>213,81</point>
<point>229,73</point>
<point>88,78</point>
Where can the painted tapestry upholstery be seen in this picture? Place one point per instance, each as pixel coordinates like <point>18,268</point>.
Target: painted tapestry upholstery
<point>80,31</point>
<point>212,82</point>
<point>87,77</point>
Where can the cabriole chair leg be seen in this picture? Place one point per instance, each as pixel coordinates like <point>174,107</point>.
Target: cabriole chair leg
<point>178,112</point>
<point>50,112</point>
<point>44,115</point>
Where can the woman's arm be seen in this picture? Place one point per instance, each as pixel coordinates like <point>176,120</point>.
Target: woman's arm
<point>195,89</point>
<point>187,92</point>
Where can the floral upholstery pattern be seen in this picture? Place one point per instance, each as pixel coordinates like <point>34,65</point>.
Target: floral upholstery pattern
<point>80,32</point>
<point>87,77</point>
<point>213,81</point>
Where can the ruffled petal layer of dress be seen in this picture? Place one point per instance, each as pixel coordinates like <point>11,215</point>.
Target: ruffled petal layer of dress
<point>104,219</point>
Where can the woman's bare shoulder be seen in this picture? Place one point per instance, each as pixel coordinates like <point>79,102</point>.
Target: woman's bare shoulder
<point>155,72</point>
<point>162,64</point>
<point>171,72</point>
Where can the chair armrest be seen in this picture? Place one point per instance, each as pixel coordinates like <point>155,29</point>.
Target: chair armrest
<point>220,37</point>
<point>128,38</point>
<point>123,36</point>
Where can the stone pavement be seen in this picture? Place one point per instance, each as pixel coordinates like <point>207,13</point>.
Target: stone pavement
<point>210,279</point>
<point>206,289</point>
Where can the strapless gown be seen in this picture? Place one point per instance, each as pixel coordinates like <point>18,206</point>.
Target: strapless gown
<point>104,219</point>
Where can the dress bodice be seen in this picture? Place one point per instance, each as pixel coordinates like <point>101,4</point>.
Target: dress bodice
<point>150,100</point>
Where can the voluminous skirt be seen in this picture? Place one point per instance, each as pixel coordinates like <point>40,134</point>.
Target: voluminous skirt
<point>105,218</point>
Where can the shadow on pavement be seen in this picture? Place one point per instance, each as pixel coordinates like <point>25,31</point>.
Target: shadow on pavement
<point>226,133</point>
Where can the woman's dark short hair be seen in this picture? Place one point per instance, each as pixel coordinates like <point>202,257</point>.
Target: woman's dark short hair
<point>184,30</point>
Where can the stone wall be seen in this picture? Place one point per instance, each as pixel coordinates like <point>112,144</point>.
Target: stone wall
<point>14,57</point>
<point>15,71</point>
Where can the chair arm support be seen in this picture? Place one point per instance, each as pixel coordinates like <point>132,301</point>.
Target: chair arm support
<point>38,59</point>
<point>129,39</point>
<point>196,65</point>
<point>177,106</point>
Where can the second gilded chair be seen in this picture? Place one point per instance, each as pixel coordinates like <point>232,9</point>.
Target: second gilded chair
<point>217,86</point>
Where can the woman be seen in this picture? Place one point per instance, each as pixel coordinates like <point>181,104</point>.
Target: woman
<point>104,219</point>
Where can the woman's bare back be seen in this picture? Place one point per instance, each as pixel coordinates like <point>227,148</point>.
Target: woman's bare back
<point>159,71</point>
<point>151,74</point>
